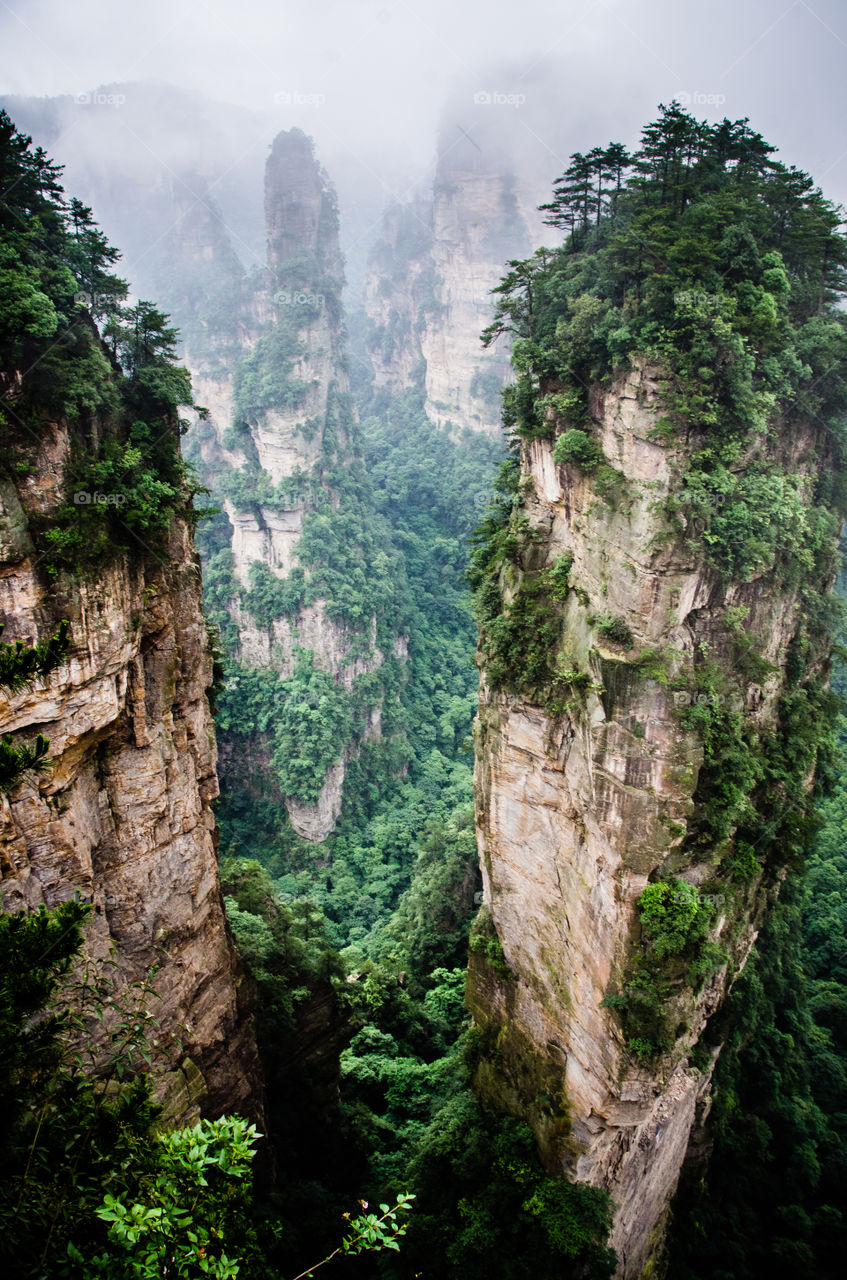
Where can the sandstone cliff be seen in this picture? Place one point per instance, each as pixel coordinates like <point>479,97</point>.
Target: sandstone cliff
<point>123,816</point>
<point>275,449</point>
<point>586,795</point>
<point>427,295</point>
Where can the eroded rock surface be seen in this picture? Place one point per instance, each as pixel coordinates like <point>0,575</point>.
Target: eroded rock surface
<point>577,807</point>
<point>287,447</point>
<point>123,817</point>
<point>427,295</point>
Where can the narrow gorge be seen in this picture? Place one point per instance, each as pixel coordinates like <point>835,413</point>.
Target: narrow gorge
<point>415,709</point>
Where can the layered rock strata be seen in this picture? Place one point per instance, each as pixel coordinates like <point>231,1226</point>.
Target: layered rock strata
<point>289,330</point>
<point>581,804</point>
<point>123,816</point>
<point>427,294</point>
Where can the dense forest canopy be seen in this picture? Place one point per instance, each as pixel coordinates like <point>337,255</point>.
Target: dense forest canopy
<point>698,251</point>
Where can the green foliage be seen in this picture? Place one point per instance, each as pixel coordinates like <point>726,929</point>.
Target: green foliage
<point>345,552</point>
<point>117,393</point>
<point>17,759</point>
<point>560,576</point>
<point>577,447</point>
<point>370,1232</point>
<point>284,943</point>
<point>190,1200</point>
<point>772,1199</point>
<point>675,950</point>
<point>309,735</point>
<point>486,1209</point>
<point>307,718</point>
<point>516,604</point>
<point>429,928</point>
<point>743,536</point>
<point>669,915</point>
<point>250,488</point>
<point>483,941</point>
<point>271,597</point>
<point>299,978</point>
<point>88,1187</point>
<point>124,495</point>
<point>21,664</point>
<point>774,1189</point>
<point>723,268</point>
<point>35,952</point>
<point>617,630</point>
<point>520,642</point>
<point>263,378</point>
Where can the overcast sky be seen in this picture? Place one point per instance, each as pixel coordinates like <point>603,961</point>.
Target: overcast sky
<point>371,76</point>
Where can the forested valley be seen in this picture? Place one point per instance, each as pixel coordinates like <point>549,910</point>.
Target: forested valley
<point>386,1131</point>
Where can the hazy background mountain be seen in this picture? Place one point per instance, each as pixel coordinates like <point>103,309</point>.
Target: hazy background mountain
<point>155,107</point>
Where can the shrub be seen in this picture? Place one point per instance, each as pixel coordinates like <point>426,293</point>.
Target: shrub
<point>560,576</point>
<point>484,941</point>
<point>668,913</point>
<point>617,630</point>
<point>578,448</point>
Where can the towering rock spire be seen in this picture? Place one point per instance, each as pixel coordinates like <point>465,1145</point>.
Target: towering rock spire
<point>279,452</point>
<point>592,784</point>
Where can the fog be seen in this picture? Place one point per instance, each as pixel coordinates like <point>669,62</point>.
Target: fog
<point>370,76</point>
<point>384,86</point>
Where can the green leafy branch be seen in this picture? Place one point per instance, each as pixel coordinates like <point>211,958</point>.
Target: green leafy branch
<point>17,760</point>
<point>371,1232</point>
<point>21,664</point>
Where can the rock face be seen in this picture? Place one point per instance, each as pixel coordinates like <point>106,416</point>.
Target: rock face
<point>427,296</point>
<point>577,806</point>
<point>123,817</point>
<point>280,417</point>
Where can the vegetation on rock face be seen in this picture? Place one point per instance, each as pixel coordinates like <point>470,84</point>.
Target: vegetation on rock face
<point>702,260</point>
<point>704,257</point>
<point>21,664</point>
<point>347,570</point>
<point>712,259</point>
<point>676,919</point>
<point>771,1202</point>
<point>17,759</point>
<point>117,389</point>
